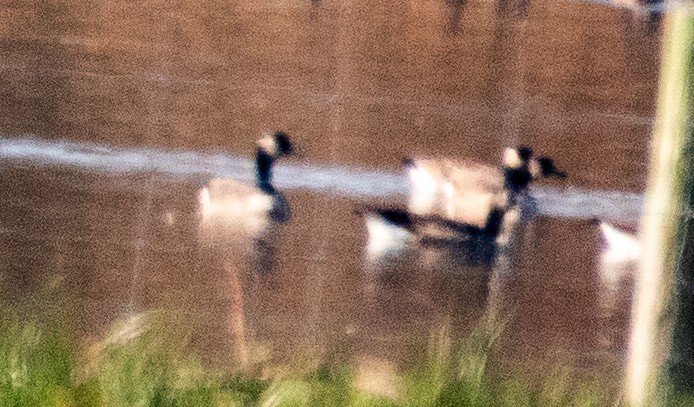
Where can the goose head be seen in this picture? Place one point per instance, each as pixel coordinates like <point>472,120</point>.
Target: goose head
<point>270,148</point>
<point>516,157</point>
<point>521,168</point>
<point>515,164</point>
<point>544,167</point>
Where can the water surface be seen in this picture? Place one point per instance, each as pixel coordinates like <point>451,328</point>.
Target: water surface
<point>114,115</point>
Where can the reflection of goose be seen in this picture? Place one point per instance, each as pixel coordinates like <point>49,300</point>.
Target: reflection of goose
<point>466,191</point>
<point>250,207</point>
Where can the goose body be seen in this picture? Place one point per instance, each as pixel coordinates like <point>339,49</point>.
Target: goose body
<point>434,183</point>
<point>432,228</point>
<point>466,191</point>
<point>245,207</point>
<point>392,229</point>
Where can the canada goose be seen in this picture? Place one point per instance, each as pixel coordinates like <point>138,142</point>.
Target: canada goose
<point>391,229</point>
<point>466,191</point>
<point>249,209</point>
<point>429,177</point>
<point>518,179</point>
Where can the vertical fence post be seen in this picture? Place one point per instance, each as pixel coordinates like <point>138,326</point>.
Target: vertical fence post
<point>656,311</point>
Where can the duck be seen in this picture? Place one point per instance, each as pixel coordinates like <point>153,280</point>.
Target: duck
<point>466,191</point>
<point>249,209</point>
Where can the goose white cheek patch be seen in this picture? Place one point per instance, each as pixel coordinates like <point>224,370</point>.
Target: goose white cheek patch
<point>511,158</point>
<point>267,143</point>
<point>535,170</point>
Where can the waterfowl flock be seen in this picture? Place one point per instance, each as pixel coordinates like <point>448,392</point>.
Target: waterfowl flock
<point>459,202</point>
<point>451,202</point>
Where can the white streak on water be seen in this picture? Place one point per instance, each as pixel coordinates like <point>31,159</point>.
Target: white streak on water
<point>341,180</point>
<point>573,202</point>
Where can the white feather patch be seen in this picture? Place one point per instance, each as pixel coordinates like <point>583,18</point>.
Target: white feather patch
<point>384,238</point>
<point>535,169</point>
<point>227,202</point>
<point>471,208</point>
<point>621,246</point>
<point>423,190</point>
<point>511,158</point>
<point>268,144</point>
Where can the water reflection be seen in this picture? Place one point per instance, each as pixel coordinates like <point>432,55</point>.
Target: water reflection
<point>421,289</point>
<point>543,275</point>
<point>414,279</point>
<point>240,222</point>
<point>513,8</point>
<point>456,13</point>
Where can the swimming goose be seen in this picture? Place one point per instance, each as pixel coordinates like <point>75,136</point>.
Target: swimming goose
<point>465,191</point>
<point>249,209</point>
<point>430,178</point>
<point>618,264</point>
<point>620,244</point>
<point>391,229</point>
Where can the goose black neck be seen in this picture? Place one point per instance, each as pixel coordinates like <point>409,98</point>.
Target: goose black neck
<point>397,217</point>
<point>494,222</point>
<point>516,179</point>
<point>263,168</point>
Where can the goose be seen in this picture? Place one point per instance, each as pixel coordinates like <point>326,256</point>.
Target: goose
<point>249,209</point>
<point>620,244</point>
<point>430,178</point>
<point>391,229</point>
<point>618,263</point>
<point>465,191</point>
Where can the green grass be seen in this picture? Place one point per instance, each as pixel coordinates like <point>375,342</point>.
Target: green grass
<point>138,365</point>
<point>35,366</point>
